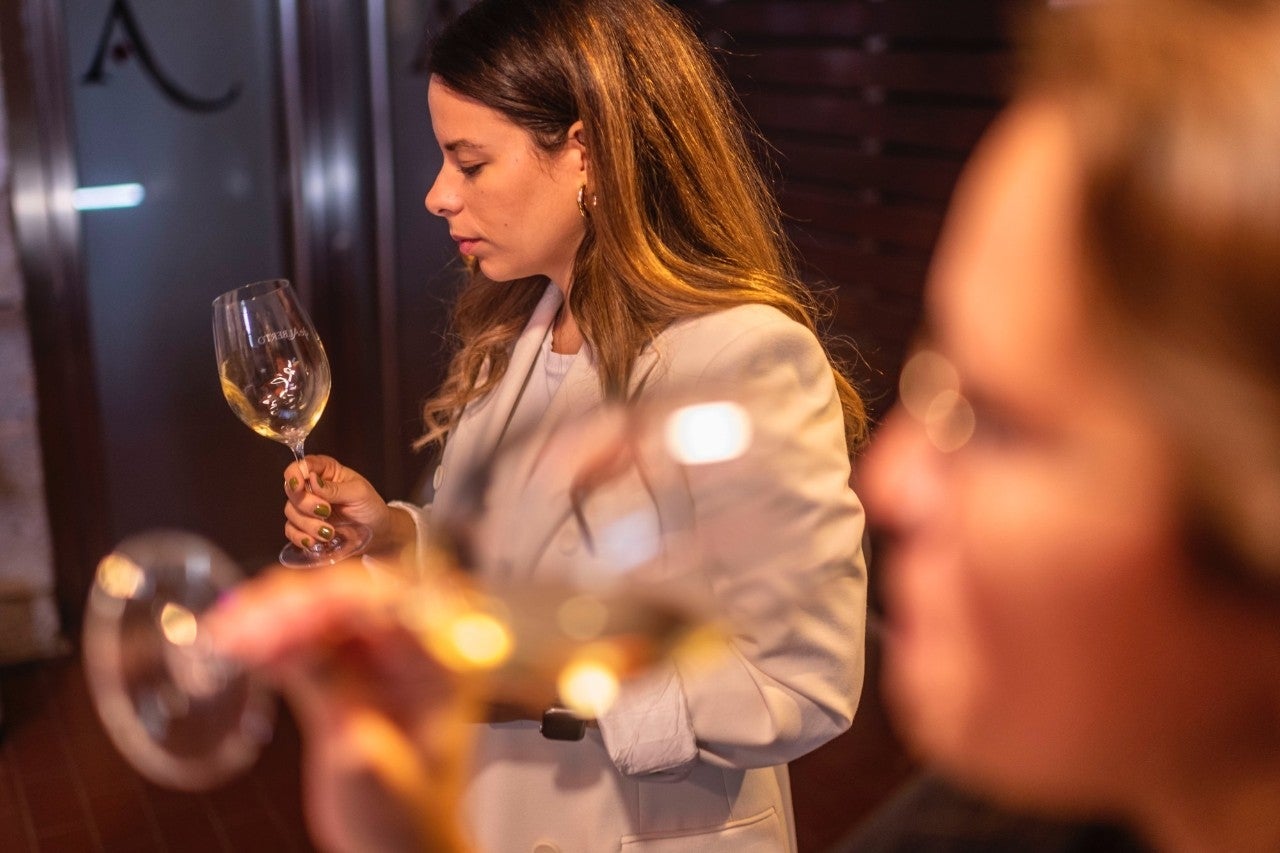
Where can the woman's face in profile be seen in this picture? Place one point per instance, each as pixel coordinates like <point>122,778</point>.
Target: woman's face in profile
<point>1044,637</point>
<point>510,205</point>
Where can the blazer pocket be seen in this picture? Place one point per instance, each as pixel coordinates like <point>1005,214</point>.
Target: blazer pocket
<point>761,833</point>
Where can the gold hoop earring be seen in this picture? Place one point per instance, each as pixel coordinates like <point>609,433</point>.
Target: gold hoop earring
<point>582,201</point>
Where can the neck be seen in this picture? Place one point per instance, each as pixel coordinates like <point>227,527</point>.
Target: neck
<point>565,336</point>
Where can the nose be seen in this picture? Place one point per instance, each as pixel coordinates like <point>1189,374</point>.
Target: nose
<point>441,199</point>
<point>901,476</point>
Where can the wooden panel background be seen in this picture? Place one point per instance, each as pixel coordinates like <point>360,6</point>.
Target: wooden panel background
<point>870,108</point>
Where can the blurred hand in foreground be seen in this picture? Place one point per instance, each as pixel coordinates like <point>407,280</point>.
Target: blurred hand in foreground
<point>382,722</point>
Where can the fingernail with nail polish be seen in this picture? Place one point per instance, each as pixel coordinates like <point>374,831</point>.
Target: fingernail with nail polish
<point>326,533</point>
<point>322,510</point>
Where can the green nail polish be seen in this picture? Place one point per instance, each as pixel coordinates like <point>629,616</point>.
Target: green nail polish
<point>320,481</point>
<point>326,533</point>
<point>306,542</point>
<point>293,484</point>
<point>322,510</point>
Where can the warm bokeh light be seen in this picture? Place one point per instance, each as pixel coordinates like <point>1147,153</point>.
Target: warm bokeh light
<point>178,624</point>
<point>949,421</point>
<point>923,376</point>
<point>929,389</point>
<point>588,687</point>
<point>708,432</point>
<point>477,641</point>
<point>119,577</point>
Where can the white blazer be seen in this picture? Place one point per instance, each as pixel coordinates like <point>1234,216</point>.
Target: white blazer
<point>690,759</point>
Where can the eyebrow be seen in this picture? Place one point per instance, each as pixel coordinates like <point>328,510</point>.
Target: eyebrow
<point>460,144</point>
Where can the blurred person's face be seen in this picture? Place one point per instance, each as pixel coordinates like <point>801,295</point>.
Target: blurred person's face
<point>1046,641</point>
<point>509,204</point>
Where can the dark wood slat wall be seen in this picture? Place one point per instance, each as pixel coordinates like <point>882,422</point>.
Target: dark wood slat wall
<point>871,108</point>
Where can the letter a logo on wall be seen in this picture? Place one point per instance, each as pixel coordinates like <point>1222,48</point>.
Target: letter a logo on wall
<point>135,44</point>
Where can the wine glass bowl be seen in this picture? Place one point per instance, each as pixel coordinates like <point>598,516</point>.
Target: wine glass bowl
<point>275,376</point>
<point>183,717</point>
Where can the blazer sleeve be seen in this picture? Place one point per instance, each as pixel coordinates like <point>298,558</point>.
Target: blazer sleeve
<point>785,565</point>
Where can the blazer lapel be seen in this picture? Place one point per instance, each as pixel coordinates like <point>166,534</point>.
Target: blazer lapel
<point>533,502</point>
<point>535,494</point>
<point>484,423</point>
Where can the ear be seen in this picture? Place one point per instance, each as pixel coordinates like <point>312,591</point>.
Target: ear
<point>576,145</point>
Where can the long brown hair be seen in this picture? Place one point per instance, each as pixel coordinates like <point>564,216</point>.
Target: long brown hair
<point>681,219</point>
<point>1175,107</point>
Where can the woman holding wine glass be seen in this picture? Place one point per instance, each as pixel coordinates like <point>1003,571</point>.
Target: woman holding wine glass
<point>621,243</point>
<point>1082,481</point>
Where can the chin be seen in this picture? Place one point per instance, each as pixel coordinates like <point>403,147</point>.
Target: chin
<point>490,270</point>
<point>966,745</point>
<point>496,271</point>
<point>936,714</point>
<point>921,705</point>
<point>916,715</point>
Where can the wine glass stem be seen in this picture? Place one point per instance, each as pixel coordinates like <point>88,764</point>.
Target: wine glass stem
<point>296,447</point>
<point>298,454</point>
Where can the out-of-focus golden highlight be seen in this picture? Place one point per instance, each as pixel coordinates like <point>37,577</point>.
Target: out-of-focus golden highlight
<point>119,577</point>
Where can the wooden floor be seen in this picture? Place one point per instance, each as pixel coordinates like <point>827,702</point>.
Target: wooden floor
<point>64,788</point>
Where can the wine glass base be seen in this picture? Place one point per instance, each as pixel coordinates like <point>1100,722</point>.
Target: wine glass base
<point>349,540</point>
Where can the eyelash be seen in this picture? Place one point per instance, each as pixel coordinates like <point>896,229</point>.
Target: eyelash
<point>471,171</point>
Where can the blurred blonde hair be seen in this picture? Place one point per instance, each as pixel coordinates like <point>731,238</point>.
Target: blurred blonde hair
<point>1176,110</point>
<point>681,220</point>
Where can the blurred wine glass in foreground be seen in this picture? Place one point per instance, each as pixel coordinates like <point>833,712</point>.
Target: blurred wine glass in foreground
<point>275,376</point>
<point>184,718</point>
<point>622,584</point>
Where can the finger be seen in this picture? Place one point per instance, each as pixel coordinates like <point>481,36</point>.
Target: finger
<point>303,539</point>
<point>314,468</point>
<point>369,790</point>
<point>307,500</point>
<point>305,525</point>
<point>336,482</point>
<point>285,613</point>
<point>309,503</point>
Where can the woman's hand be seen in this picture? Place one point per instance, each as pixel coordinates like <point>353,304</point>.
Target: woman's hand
<point>321,488</point>
<point>384,725</point>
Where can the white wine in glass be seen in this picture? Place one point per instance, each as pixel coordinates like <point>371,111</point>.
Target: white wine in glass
<point>275,376</point>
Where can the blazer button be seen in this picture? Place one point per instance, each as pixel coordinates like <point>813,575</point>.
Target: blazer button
<point>438,477</point>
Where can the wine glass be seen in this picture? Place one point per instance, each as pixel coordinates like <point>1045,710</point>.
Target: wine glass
<point>275,377</point>
<point>184,718</point>
<point>638,594</point>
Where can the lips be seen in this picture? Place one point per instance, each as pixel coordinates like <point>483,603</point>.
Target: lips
<point>466,245</point>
